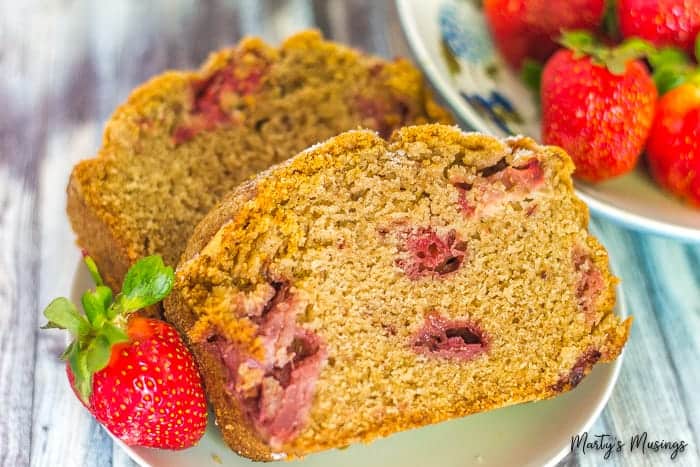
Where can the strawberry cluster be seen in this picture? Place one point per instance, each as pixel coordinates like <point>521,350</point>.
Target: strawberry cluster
<point>614,82</point>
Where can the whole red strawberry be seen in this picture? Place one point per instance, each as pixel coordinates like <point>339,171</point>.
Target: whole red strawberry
<point>597,104</point>
<point>529,28</point>
<point>673,149</point>
<point>661,22</point>
<point>134,374</point>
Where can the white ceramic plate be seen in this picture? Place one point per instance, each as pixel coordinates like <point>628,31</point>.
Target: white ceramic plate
<point>451,43</point>
<point>533,434</point>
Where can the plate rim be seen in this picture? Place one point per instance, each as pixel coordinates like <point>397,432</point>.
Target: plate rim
<point>620,310</point>
<point>470,119</point>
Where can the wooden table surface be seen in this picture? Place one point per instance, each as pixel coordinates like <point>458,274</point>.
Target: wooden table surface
<point>66,64</point>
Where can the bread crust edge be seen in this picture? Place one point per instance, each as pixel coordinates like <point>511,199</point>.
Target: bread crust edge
<point>236,431</point>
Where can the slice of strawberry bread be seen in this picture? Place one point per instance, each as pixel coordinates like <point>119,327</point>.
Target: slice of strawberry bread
<point>366,287</point>
<point>184,139</point>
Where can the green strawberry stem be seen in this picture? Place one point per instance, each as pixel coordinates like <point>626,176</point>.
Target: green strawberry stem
<point>104,323</point>
<point>615,59</point>
<point>92,267</point>
<point>671,66</point>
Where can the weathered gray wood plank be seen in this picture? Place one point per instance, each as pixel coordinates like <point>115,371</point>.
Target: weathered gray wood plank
<point>676,303</point>
<point>54,402</point>
<point>647,396</point>
<point>22,133</point>
<point>18,268</point>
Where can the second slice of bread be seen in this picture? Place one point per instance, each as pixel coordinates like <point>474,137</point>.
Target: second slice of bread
<point>366,287</point>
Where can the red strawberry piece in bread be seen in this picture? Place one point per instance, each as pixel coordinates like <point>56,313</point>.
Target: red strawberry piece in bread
<point>134,374</point>
<point>598,104</point>
<point>673,149</point>
<point>661,22</point>
<point>529,28</point>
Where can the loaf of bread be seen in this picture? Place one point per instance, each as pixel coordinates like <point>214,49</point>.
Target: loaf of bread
<point>184,139</point>
<point>368,286</point>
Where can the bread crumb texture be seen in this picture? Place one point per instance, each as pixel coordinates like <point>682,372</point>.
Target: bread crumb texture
<point>401,283</point>
<point>184,139</point>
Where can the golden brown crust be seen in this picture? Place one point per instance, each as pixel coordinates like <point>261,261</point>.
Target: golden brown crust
<point>232,423</point>
<point>97,238</point>
<point>218,216</point>
<point>148,191</point>
<point>222,230</point>
<point>235,429</point>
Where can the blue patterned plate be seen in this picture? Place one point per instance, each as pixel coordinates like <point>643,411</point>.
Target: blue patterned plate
<point>451,43</point>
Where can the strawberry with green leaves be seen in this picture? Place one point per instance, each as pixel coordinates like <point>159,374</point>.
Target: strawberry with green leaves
<point>598,104</point>
<point>673,148</point>
<point>134,374</point>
